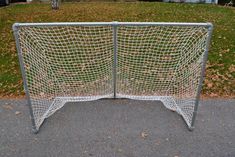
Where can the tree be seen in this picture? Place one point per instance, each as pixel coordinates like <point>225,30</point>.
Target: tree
<point>55,4</point>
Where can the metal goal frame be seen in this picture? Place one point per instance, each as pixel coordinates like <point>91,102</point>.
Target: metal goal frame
<point>114,26</point>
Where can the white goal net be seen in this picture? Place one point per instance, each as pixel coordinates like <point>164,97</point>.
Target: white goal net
<point>64,62</point>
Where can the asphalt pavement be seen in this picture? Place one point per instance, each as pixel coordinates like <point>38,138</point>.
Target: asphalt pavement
<point>118,128</point>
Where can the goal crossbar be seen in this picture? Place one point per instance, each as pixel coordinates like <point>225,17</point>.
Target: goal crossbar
<point>85,61</point>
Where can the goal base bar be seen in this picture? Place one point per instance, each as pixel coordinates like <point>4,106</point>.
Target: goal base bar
<point>167,101</point>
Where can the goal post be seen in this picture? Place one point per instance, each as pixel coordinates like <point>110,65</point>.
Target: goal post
<point>72,62</point>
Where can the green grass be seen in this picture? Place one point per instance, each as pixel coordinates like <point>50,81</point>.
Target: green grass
<point>220,75</point>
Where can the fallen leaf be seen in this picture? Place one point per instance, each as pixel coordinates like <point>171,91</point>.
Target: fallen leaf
<point>144,134</point>
<point>119,150</point>
<point>213,95</point>
<point>7,106</point>
<point>17,112</point>
<point>210,85</point>
<point>227,50</point>
<point>231,68</point>
<point>157,143</point>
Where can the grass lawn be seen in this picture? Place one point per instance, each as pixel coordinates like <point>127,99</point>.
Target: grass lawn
<point>220,74</point>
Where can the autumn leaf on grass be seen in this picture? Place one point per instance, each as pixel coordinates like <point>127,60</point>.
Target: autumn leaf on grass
<point>213,95</point>
<point>231,68</point>
<point>210,85</point>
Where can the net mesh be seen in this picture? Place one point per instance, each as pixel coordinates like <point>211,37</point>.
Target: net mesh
<point>66,64</point>
<point>161,63</point>
<point>75,63</point>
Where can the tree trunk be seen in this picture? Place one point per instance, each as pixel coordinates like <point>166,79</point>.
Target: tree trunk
<point>55,4</point>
